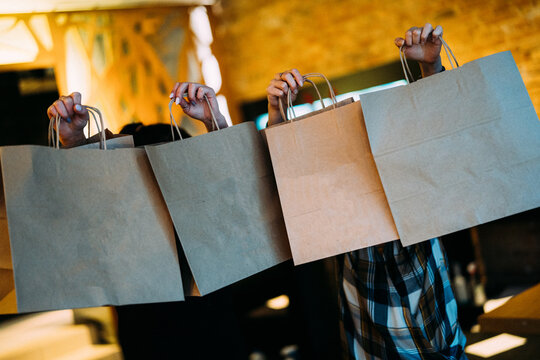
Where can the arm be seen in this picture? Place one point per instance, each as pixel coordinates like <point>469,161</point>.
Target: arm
<point>73,119</point>
<point>278,88</point>
<point>196,106</point>
<point>423,44</point>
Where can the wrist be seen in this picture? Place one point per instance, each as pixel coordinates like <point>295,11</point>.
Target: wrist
<point>274,114</point>
<point>73,141</point>
<point>220,120</point>
<point>431,68</point>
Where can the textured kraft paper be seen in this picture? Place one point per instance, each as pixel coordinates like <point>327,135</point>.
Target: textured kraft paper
<point>331,195</point>
<point>221,194</point>
<point>456,149</point>
<point>86,228</point>
<point>114,141</point>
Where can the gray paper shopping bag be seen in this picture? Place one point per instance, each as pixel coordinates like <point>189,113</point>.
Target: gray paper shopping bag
<point>221,194</point>
<point>87,227</point>
<point>332,198</point>
<point>456,149</point>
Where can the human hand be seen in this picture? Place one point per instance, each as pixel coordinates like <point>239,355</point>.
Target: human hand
<point>277,90</point>
<point>423,44</point>
<point>195,106</point>
<point>74,118</point>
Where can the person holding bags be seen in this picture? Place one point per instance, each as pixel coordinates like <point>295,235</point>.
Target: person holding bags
<point>396,302</point>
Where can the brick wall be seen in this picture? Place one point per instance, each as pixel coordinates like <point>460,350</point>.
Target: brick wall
<point>260,38</point>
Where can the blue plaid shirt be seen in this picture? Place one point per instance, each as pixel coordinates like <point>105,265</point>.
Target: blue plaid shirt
<point>397,303</point>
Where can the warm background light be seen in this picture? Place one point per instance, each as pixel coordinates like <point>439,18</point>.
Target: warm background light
<point>41,29</point>
<point>16,42</point>
<point>261,38</point>
<point>124,62</point>
<point>495,345</point>
<point>149,49</point>
<point>34,6</point>
<point>202,37</point>
<point>278,303</point>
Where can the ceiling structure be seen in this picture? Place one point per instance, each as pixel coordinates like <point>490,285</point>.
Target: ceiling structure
<point>46,6</point>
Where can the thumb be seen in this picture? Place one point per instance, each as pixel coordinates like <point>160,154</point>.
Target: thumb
<point>399,42</point>
<point>82,115</point>
<point>79,109</point>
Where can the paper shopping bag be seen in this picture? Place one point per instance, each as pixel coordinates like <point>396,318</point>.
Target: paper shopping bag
<point>456,149</point>
<point>331,195</point>
<point>87,227</point>
<point>221,194</point>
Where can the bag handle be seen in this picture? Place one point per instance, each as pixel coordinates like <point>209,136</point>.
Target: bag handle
<point>405,65</point>
<point>103,137</point>
<point>173,120</point>
<point>290,109</point>
<point>54,139</point>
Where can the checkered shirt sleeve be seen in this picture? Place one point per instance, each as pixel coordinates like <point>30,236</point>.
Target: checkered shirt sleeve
<point>397,303</point>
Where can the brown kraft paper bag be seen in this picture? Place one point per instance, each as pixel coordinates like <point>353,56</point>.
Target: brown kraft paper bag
<point>330,192</point>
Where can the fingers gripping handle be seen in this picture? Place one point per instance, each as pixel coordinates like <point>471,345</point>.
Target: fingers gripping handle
<point>173,120</point>
<point>53,139</point>
<point>405,66</point>
<point>214,120</point>
<point>290,110</point>
<point>54,124</point>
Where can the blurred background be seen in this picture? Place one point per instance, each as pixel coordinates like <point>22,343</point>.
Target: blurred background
<point>124,56</point>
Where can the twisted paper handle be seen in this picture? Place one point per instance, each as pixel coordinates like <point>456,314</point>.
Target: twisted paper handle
<point>405,66</point>
<point>290,108</point>
<point>54,138</point>
<point>173,120</point>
